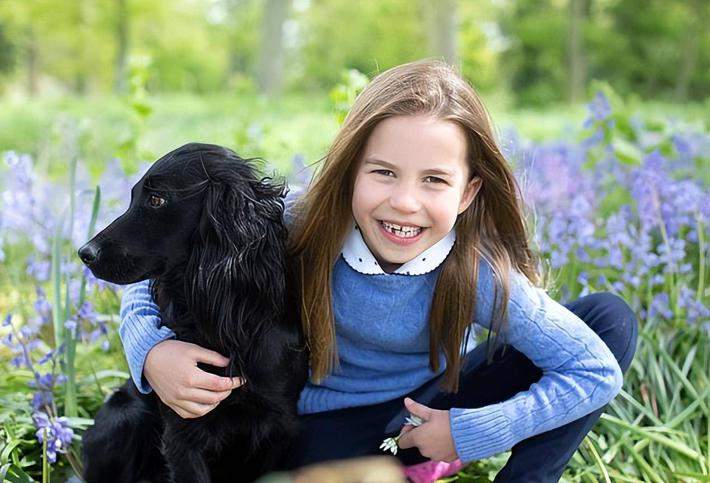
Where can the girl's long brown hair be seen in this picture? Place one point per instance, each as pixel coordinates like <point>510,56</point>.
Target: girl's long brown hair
<point>492,227</point>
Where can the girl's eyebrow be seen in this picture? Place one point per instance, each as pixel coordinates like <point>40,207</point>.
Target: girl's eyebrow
<point>438,170</point>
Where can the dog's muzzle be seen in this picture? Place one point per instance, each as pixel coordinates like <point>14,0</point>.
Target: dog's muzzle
<point>88,253</point>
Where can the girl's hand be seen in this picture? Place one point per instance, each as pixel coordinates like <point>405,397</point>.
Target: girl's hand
<point>171,370</point>
<point>432,437</point>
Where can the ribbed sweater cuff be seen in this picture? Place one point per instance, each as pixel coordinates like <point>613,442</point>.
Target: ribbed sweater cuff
<point>138,338</point>
<point>481,432</point>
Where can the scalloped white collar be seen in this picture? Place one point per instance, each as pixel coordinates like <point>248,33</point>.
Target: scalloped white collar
<point>357,254</point>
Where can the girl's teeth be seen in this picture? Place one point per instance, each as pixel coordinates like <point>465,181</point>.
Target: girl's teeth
<point>401,232</point>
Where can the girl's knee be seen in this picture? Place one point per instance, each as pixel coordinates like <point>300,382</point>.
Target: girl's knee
<point>618,327</point>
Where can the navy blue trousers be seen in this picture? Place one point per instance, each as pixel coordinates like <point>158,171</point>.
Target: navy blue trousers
<point>351,432</point>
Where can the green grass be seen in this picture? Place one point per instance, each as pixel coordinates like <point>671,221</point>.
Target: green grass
<point>274,129</point>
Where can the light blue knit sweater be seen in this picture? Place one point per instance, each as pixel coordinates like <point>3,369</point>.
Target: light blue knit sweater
<point>383,341</point>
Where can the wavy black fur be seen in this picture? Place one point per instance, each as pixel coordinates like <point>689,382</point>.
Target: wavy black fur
<point>215,252</point>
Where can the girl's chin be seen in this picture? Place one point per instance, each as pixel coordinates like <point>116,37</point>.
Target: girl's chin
<point>392,256</point>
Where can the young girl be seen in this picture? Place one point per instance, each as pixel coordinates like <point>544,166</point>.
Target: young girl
<point>411,231</point>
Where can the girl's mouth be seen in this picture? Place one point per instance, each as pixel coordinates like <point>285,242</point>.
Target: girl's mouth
<point>399,234</point>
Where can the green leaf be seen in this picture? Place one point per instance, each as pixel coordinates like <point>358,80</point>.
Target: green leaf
<point>56,281</point>
<point>627,152</point>
<point>14,474</point>
<point>675,445</point>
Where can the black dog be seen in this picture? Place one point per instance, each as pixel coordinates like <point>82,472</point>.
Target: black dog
<point>210,235</point>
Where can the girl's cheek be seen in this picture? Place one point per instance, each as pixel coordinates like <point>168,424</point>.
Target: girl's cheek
<point>370,188</point>
<point>443,205</point>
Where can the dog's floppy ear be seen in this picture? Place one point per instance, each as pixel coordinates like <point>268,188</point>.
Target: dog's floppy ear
<point>238,258</point>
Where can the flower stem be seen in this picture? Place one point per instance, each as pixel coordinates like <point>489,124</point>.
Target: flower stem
<point>45,463</point>
<point>701,258</point>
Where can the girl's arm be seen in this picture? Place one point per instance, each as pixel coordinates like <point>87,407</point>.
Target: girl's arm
<point>580,374</point>
<point>140,329</point>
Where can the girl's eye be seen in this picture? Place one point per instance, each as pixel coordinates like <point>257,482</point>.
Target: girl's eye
<point>382,171</point>
<point>435,179</point>
<point>156,201</point>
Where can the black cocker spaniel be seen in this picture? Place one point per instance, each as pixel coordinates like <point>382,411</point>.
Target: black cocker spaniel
<point>209,234</point>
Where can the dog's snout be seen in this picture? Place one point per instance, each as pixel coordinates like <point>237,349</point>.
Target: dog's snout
<point>88,253</point>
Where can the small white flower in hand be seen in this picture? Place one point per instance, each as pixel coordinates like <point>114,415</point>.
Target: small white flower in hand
<point>390,444</point>
<point>413,420</point>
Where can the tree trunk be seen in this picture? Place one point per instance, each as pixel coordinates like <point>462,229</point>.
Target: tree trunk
<point>689,51</point>
<point>120,82</point>
<point>234,59</point>
<point>80,46</point>
<point>577,62</point>
<point>443,29</point>
<point>32,63</point>
<point>270,70</point>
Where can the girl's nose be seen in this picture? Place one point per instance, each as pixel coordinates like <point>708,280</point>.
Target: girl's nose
<point>405,199</point>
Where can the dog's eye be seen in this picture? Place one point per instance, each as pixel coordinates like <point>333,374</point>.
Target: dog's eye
<point>156,201</point>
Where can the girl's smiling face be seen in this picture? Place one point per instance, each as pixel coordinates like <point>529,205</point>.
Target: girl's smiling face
<point>411,183</point>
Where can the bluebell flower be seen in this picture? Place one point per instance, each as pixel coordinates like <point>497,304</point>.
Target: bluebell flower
<point>38,269</point>
<point>70,324</point>
<point>47,357</point>
<point>56,431</point>
<point>660,305</point>
<point>8,341</point>
<point>17,361</point>
<point>86,312</point>
<point>41,400</point>
<point>599,108</point>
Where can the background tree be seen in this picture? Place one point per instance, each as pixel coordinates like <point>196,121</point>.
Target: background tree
<point>368,36</point>
<point>442,29</point>
<point>533,51</point>
<point>241,29</point>
<point>122,20</point>
<point>480,43</point>
<point>270,73</point>
<point>578,12</point>
<point>535,60</point>
<point>7,51</point>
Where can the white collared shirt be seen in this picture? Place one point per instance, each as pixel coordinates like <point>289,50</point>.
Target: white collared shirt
<point>358,255</point>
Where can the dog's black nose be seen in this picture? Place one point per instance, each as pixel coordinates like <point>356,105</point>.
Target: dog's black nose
<point>88,253</point>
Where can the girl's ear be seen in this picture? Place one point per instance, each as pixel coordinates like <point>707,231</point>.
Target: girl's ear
<point>469,193</point>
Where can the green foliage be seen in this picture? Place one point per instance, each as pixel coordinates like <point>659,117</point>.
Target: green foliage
<point>344,94</point>
<point>479,60</point>
<point>535,59</point>
<point>655,48</point>
<point>140,108</point>
<point>367,36</point>
<point>7,51</point>
<point>20,454</point>
<point>621,137</point>
<point>18,448</point>
<point>656,45</point>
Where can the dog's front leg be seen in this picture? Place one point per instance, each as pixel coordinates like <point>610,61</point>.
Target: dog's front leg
<point>185,460</point>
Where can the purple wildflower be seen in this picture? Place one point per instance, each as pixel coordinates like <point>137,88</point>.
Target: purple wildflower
<point>56,431</point>
<point>599,108</point>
